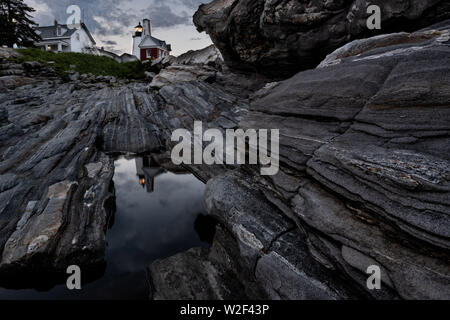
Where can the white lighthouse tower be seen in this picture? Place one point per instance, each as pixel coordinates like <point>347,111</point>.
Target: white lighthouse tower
<point>137,39</point>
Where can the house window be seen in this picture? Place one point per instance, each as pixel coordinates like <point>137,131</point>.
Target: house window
<point>78,36</point>
<point>149,53</point>
<point>58,31</point>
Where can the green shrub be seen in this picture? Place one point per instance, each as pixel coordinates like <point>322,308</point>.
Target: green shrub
<point>84,63</point>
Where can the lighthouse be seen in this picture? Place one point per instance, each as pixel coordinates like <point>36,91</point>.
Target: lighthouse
<point>147,47</point>
<point>137,38</point>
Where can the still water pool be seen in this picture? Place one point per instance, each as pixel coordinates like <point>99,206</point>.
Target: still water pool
<point>157,215</point>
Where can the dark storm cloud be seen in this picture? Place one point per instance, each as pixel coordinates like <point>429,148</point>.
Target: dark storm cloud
<point>108,9</point>
<point>110,42</point>
<point>163,13</point>
<point>112,49</point>
<point>162,16</point>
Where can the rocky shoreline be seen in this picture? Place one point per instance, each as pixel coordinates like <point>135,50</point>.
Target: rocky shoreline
<point>364,177</point>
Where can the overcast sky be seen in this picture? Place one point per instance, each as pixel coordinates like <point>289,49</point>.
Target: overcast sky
<point>112,21</point>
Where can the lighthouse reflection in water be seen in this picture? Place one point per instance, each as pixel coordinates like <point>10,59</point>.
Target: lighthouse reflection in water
<point>147,170</point>
<point>170,219</point>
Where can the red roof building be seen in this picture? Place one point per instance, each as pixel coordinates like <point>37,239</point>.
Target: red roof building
<point>147,47</point>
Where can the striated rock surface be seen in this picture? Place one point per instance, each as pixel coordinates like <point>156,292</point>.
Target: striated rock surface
<point>364,177</point>
<point>209,56</point>
<point>363,182</point>
<point>366,137</point>
<point>195,278</point>
<point>54,180</point>
<point>56,165</point>
<point>280,38</point>
<point>175,73</point>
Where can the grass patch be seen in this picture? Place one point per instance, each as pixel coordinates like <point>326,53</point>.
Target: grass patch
<point>84,63</point>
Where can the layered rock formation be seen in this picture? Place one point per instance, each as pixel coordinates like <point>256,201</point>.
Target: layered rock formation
<point>364,176</point>
<point>364,179</point>
<point>56,165</point>
<point>55,195</point>
<point>209,56</point>
<point>280,38</point>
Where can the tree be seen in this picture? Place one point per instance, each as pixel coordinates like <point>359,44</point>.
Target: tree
<point>16,26</point>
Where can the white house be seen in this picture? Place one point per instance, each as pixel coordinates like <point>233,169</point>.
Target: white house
<point>145,46</point>
<point>61,38</point>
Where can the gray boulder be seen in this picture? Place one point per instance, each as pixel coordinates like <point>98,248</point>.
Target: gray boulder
<point>183,73</point>
<point>207,56</point>
<point>280,38</point>
<point>364,162</point>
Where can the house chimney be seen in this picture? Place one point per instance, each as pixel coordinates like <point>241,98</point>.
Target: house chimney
<point>147,27</point>
<point>56,22</point>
